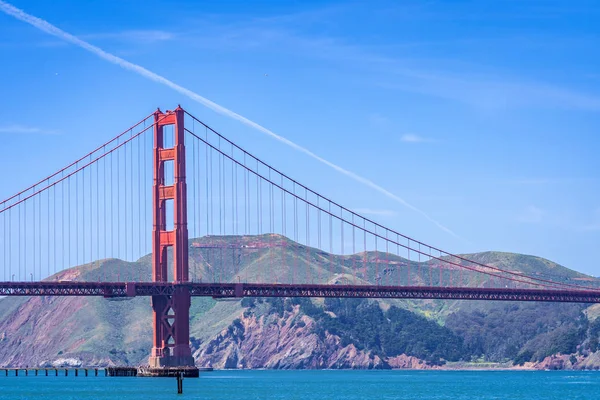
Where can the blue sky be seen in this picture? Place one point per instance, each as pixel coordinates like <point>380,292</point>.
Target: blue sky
<point>484,115</point>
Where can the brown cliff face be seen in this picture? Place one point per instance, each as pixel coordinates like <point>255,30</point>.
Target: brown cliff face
<point>287,342</point>
<point>408,362</point>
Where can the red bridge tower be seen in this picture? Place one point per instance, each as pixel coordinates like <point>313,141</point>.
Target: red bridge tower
<point>171,314</point>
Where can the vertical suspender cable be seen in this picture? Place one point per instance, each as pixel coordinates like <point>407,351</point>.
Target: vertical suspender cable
<point>341,255</point>
<point>260,209</point>
<point>377,277</point>
<point>62,221</point>
<point>144,190</point>
<point>219,158</point>
<point>91,212</point>
<point>24,242</point>
<point>221,212</point>
<point>194,188</point>
<point>319,232</point>
<point>8,243</point>
<point>282,216</point>
<point>132,259</point>
<point>237,222</point>
<point>223,202</point>
<point>309,275</point>
<point>98,218</point>
<point>18,244</point>
<point>419,274</point>
<point>399,269</point>
<point>331,269</point>
<point>260,219</point>
<point>387,269</point>
<point>82,216</point>
<point>296,238</point>
<point>440,270</point>
<point>139,194</point>
<point>34,266</point>
<point>430,268</point>
<point>48,227</point>
<point>207,175</point>
<point>365,276</point>
<point>118,200</point>
<point>69,222</point>
<point>408,282</point>
<point>111,213</point>
<point>106,216</point>
<point>125,221</point>
<point>76,218</point>
<point>353,249</point>
<point>224,189</point>
<point>257,201</point>
<point>245,171</point>
<point>271,222</point>
<point>4,242</point>
<point>212,214</point>
<point>40,232</point>
<point>233,198</point>
<point>460,275</point>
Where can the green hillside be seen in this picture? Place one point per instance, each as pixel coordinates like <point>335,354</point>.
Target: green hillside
<point>277,333</point>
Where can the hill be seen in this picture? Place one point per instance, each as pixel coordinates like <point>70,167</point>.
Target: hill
<point>302,333</point>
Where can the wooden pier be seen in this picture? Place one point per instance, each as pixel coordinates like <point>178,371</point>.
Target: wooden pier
<point>186,372</point>
<point>53,371</point>
<point>122,371</point>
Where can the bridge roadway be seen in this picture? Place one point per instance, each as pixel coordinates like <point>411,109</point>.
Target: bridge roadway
<point>239,290</point>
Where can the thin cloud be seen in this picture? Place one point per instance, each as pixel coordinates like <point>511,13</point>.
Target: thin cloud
<point>412,138</point>
<point>380,213</point>
<point>25,130</point>
<point>493,95</point>
<point>473,88</point>
<point>138,36</point>
<point>54,31</point>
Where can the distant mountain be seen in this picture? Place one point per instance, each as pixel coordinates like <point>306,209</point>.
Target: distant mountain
<point>306,333</point>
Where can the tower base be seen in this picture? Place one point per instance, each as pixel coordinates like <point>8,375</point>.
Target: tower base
<point>184,372</point>
<point>172,362</point>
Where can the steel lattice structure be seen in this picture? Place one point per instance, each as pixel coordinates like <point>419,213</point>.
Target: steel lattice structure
<point>239,290</point>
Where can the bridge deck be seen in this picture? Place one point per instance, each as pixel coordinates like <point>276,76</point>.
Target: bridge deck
<point>239,290</point>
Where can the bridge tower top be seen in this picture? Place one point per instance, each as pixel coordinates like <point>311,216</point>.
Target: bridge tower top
<point>169,189</point>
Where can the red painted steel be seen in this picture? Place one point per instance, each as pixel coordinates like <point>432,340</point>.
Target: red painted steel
<point>170,311</point>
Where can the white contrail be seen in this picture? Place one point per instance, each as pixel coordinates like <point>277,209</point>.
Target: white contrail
<point>53,30</point>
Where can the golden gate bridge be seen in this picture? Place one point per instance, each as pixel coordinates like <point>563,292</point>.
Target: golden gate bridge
<point>171,176</point>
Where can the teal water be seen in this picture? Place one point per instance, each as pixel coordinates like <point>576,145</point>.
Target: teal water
<point>333,385</point>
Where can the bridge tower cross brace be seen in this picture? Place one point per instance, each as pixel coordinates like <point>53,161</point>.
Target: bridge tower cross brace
<point>171,314</point>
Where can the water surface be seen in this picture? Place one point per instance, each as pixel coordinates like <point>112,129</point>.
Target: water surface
<point>301,385</point>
